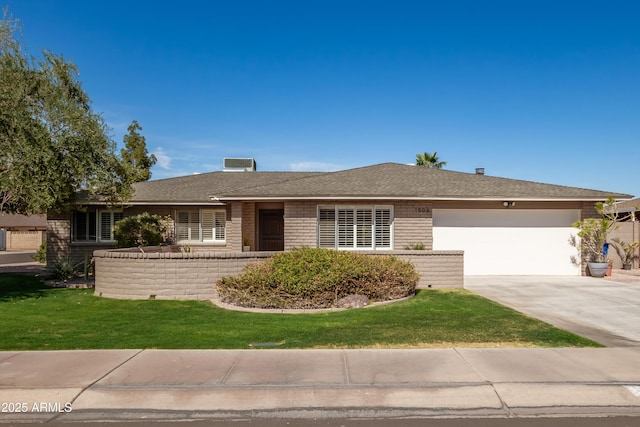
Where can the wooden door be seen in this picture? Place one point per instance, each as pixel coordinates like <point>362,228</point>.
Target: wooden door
<point>271,231</point>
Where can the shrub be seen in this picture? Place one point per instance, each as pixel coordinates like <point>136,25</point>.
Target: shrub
<point>63,269</point>
<point>41,255</point>
<point>140,230</point>
<point>417,247</point>
<point>318,278</point>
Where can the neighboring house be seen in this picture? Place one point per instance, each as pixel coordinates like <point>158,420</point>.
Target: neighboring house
<point>504,226</point>
<point>627,230</point>
<point>626,208</point>
<point>22,232</point>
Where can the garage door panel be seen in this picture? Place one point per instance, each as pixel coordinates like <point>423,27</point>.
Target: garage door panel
<point>503,242</point>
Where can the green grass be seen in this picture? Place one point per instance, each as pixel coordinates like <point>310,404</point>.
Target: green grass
<point>35,317</point>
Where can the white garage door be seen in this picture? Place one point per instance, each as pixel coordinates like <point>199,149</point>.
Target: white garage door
<point>508,241</point>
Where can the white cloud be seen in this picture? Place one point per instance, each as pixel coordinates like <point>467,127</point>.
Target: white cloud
<point>164,161</point>
<point>314,167</point>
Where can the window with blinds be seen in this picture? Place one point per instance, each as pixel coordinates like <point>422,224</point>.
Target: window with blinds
<point>383,228</point>
<point>107,221</point>
<point>96,226</point>
<point>355,227</point>
<point>327,228</point>
<point>206,225</point>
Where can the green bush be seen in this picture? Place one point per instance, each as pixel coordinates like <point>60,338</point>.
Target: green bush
<point>318,278</point>
<point>140,230</point>
<point>41,255</point>
<point>63,269</point>
<point>417,247</point>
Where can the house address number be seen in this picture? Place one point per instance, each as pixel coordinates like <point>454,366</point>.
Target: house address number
<point>422,210</point>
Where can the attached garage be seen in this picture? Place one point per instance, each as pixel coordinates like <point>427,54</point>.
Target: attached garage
<point>508,241</point>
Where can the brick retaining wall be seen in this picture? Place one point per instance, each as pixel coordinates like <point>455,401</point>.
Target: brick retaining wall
<point>131,274</point>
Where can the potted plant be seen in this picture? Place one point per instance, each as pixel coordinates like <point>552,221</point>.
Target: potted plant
<point>609,269</point>
<point>591,239</point>
<point>626,251</point>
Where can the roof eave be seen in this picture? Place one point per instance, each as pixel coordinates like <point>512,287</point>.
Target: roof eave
<point>416,198</point>
<point>158,203</point>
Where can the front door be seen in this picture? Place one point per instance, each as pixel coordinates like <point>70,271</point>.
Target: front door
<point>271,229</point>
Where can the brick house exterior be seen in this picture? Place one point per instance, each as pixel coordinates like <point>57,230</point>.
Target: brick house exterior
<point>386,207</point>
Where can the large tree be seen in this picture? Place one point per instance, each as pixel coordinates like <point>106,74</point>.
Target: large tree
<point>52,144</point>
<point>429,160</point>
<point>136,155</point>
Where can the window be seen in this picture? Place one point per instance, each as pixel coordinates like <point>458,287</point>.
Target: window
<point>355,227</point>
<point>205,225</point>
<point>83,228</point>
<point>94,226</point>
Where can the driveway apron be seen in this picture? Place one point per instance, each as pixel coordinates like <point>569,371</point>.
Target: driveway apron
<point>604,311</point>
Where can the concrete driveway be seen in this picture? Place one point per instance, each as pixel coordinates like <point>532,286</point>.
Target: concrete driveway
<point>603,310</point>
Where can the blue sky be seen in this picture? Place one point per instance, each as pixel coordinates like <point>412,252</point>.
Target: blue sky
<point>539,90</point>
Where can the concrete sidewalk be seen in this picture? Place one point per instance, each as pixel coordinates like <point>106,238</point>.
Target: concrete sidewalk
<point>196,384</point>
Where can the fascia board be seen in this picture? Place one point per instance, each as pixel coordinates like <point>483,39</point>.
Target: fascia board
<point>372,197</point>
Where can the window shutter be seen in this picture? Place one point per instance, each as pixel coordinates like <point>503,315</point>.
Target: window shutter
<point>105,226</point>
<point>364,226</point>
<point>182,226</point>
<point>208,225</point>
<point>327,228</point>
<point>345,228</point>
<point>213,225</point>
<point>383,228</point>
<point>194,226</point>
<point>221,225</point>
<point>107,221</point>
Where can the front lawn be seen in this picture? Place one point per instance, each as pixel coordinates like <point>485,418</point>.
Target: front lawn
<point>35,317</point>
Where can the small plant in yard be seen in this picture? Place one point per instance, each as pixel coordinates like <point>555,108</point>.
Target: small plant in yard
<point>416,247</point>
<point>318,278</point>
<point>626,251</point>
<point>592,233</point>
<point>63,269</point>
<point>41,255</point>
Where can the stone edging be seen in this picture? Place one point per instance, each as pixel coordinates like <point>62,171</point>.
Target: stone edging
<point>227,306</point>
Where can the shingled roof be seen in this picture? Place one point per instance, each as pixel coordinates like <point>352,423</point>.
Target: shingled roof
<point>199,188</point>
<point>391,181</point>
<point>628,206</point>
<point>31,221</point>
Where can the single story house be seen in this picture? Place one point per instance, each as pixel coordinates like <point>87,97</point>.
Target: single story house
<point>504,226</point>
<point>22,232</point>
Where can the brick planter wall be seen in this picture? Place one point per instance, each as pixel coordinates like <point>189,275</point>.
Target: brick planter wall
<point>131,274</point>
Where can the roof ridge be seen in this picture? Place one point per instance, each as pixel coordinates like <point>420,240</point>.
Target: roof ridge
<point>301,175</point>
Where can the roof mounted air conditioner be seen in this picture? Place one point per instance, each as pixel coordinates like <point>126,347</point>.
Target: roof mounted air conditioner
<point>239,165</point>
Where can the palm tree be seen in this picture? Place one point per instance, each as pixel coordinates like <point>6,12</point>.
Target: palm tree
<point>429,160</point>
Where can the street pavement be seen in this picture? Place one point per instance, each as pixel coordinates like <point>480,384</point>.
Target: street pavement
<point>119,385</point>
<point>16,257</point>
